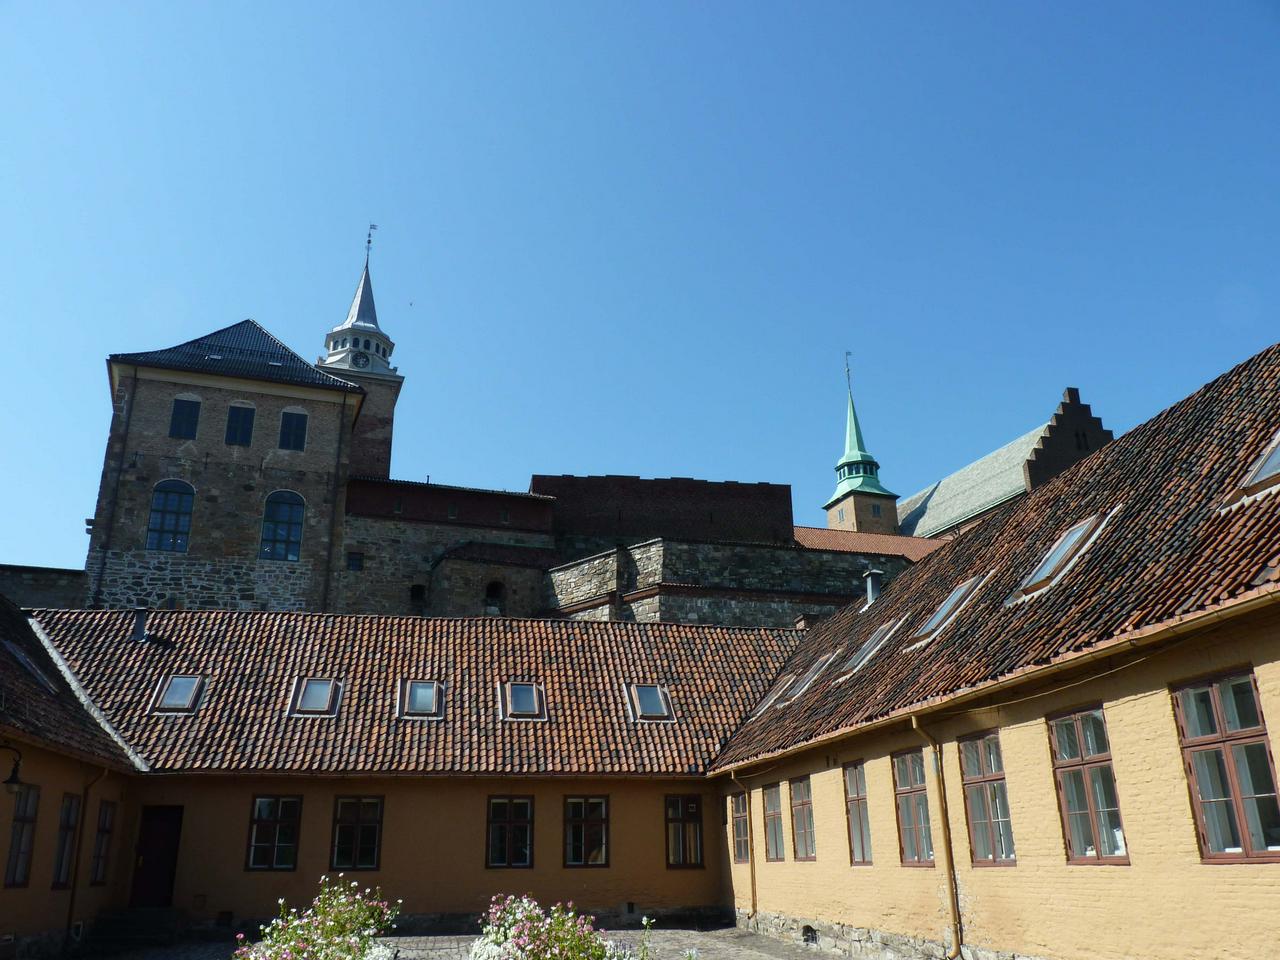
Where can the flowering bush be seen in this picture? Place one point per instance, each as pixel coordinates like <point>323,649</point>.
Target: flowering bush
<point>340,924</point>
<point>519,929</point>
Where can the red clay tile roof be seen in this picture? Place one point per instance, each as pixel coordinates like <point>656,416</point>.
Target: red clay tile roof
<point>855,541</point>
<point>251,660</point>
<point>51,715</point>
<point>1171,548</point>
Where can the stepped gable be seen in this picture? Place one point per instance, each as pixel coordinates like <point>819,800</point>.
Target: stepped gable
<point>244,349</point>
<point>1180,539</point>
<point>252,660</point>
<point>37,703</point>
<point>858,541</point>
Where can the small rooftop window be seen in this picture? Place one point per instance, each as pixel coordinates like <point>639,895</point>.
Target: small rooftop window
<point>777,690</point>
<point>650,701</point>
<point>805,681</point>
<point>180,694</point>
<point>1267,471</point>
<point>947,611</point>
<point>1066,548</point>
<point>872,644</point>
<point>21,656</point>
<point>523,701</point>
<point>317,697</point>
<point>422,698</point>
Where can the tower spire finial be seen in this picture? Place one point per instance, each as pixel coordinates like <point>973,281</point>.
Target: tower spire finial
<point>368,242</point>
<point>848,378</point>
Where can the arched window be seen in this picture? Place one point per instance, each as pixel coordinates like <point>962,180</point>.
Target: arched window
<point>169,527</point>
<point>282,526</point>
<point>418,598</point>
<point>495,595</point>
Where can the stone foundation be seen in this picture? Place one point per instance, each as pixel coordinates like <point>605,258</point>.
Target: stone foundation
<point>849,941</point>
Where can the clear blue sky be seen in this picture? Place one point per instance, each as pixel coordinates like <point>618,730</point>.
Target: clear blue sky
<point>637,238</point>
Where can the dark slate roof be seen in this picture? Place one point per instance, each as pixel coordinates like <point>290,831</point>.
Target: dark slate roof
<point>857,541</point>
<point>1180,539</point>
<point>987,482</point>
<point>244,349</point>
<point>251,660</point>
<point>36,702</point>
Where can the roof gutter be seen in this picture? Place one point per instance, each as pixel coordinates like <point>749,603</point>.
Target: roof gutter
<point>1134,639</point>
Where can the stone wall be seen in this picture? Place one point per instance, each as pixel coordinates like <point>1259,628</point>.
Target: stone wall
<point>460,588</point>
<point>850,941</point>
<point>220,567</point>
<point>52,587</point>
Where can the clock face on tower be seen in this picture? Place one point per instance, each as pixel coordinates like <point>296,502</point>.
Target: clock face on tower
<point>360,360</point>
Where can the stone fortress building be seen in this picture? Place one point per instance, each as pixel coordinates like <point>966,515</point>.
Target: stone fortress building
<point>238,475</point>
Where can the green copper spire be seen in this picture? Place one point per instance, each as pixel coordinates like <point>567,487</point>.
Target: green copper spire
<point>857,471</point>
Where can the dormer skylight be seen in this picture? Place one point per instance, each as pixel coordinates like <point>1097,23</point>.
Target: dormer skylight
<point>180,694</point>
<point>873,643</point>
<point>806,680</point>
<point>946,612</point>
<point>1267,470</point>
<point>775,691</point>
<point>1066,549</point>
<point>423,699</point>
<point>649,701</point>
<point>317,697</point>
<point>523,701</point>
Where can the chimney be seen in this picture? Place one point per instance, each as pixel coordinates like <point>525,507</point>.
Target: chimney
<point>139,624</point>
<point>875,583</point>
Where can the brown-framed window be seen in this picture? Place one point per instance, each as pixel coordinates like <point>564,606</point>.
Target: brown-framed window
<point>986,800</point>
<point>855,804</point>
<point>586,831</point>
<point>802,839</point>
<point>684,830</point>
<point>1087,795</point>
<point>509,832</point>
<point>773,823</point>
<point>68,820</point>
<point>17,870</point>
<point>316,697</point>
<point>915,838</point>
<point>102,842</point>
<point>422,698</point>
<point>741,834</point>
<point>523,700</point>
<point>1229,768</point>
<point>273,833</point>
<point>357,833</point>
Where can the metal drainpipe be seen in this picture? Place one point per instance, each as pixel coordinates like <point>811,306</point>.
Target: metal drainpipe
<point>751,840</point>
<point>115,492</point>
<point>75,859</point>
<point>953,893</point>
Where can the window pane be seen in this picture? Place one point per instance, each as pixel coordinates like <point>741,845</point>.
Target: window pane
<point>651,701</point>
<point>1002,825</point>
<point>1095,733</point>
<point>922,822</point>
<point>520,847</point>
<point>1269,467</point>
<point>524,698</point>
<point>1079,824</point>
<point>1213,787</point>
<point>422,696</point>
<point>315,695</point>
<point>995,759</point>
<point>1102,787</point>
<point>1197,711</point>
<point>1238,704</point>
<point>264,808</point>
<point>980,817</point>
<point>971,758</point>
<point>179,693</point>
<point>1258,794</point>
<point>910,851</point>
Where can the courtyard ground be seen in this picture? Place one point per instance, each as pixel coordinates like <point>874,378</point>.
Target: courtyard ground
<point>726,944</point>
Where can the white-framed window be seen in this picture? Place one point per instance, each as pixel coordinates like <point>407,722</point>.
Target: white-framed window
<point>946,611</point>
<point>806,680</point>
<point>180,693</point>
<point>649,701</point>
<point>1266,469</point>
<point>317,697</point>
<point>422,699</point>
<point>777,690</point>
<point>879,637</point>
<point>523,700</point>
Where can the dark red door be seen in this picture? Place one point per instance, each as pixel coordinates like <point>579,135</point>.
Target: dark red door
<point>157,858</point>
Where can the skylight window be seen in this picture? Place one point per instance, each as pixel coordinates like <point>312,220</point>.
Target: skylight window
<point>317,697</point>
<point>1060,554</point>
<point>21,656</point>
<point>650,701</point>
<point>422,698</point>
<point>805,681</point>
<point>180,694</point>
<point>872,644</point>
<point>1267,472</point>
<point>947,611</point>
<point>523,701</point>
<point>776,691</point>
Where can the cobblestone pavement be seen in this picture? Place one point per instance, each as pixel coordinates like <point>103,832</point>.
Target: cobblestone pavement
<point>727,944</point>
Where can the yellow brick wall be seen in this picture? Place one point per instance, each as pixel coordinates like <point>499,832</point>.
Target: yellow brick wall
<point>1165,904</point>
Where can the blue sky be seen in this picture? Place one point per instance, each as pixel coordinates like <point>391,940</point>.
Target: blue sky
<point>638,238</point>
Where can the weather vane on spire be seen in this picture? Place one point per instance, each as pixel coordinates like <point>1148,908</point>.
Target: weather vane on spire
<point>848,378</point>
<point>368,240</point>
